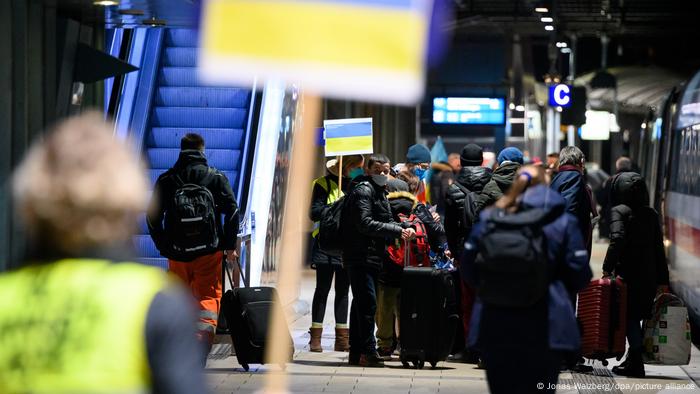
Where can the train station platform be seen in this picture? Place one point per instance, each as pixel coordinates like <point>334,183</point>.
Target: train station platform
<point>329,372</point>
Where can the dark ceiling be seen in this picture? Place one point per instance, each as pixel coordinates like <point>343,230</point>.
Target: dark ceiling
<point>618,18</point>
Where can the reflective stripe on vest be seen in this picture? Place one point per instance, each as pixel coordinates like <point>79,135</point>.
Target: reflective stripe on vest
<point>76,326</point>
<point>333,195</point>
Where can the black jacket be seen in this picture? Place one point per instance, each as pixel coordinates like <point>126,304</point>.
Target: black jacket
<point>192,167</point>
<point>367,225</point>
<point>499,183</point>
<point>473,179</point>
<point>636,250</point>
<point>319,206</point>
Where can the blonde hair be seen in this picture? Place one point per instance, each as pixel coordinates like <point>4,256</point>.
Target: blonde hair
<point>80,189</point>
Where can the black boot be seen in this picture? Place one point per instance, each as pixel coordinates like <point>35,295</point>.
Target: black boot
<point>633,366</point>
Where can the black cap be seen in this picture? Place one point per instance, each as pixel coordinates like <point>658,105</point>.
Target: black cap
<point>472,155</point>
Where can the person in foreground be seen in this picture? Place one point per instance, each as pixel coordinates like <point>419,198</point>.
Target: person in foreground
<point>523,321</point>
<point>72,319</point>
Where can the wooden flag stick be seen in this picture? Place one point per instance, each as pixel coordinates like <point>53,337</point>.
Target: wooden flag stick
<point>340,175</point>
<point>296,205</point>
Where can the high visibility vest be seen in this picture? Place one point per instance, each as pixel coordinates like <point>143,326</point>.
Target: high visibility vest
<point>76,326</point>
<point>334,195</point>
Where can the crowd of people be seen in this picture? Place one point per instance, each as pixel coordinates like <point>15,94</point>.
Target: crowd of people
<point>79,193</point>
<point>495,332</point>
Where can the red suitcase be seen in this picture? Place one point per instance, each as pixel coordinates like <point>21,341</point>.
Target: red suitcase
<point>602,314</point>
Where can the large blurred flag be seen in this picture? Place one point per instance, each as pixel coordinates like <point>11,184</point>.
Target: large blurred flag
<point>371,50</point>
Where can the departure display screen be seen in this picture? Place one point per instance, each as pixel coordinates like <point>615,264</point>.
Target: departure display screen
<point>469,110</point>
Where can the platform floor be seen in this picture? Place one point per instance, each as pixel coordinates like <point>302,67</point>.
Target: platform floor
<point>329,371</point>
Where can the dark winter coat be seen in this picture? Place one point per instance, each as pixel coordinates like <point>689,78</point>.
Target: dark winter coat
<point>636,250</point>
<point>367,225</point>
<point>473,179</point>
<point>440,180</point>
<point>499,183</point>
<point>568,261</point>
<point>571,184</point>
<point>191,166</point>
<point>319,207</point>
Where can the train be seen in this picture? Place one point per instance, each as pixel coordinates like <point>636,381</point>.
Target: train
<point>669,151</point>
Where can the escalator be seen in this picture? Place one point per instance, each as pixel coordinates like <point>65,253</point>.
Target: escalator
<point>180,104</point>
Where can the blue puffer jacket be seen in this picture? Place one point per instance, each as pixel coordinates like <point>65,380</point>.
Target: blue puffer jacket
<point>568,260</point>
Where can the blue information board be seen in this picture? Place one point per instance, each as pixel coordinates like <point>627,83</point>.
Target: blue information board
<point>469,110</point>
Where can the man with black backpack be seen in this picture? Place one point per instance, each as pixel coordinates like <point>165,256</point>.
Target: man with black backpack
<point>523,258</point>
<point>184,221</point>
<point>460,216</point>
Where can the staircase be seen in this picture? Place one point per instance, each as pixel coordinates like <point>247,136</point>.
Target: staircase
<point>181,105</point>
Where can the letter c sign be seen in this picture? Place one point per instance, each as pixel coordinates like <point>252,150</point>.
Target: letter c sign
<point>560,95</point>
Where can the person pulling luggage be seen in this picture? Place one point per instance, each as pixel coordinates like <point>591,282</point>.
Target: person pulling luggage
<point>636,254</point>
<point>523,258</point>
<point>367,227</point>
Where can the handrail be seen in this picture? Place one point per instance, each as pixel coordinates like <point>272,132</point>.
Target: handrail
<point>246,145</point>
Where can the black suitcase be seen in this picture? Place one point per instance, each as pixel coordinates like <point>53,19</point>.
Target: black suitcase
<point>428,316</point>
<point>247,311</point>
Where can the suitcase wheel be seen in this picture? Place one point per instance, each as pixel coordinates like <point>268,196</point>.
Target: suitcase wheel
<point>605,363</point>
<point>433,364</point>
<point>246,367</point>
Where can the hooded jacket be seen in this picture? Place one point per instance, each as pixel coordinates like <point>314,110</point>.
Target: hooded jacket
<point>405,203</point>
<point>571,184</point>
<point>192,167</point>
<point>499,183</point>
<point>367,225</point>
<point>473,179</point>
<point>636,250</point>
<point>568,262</point>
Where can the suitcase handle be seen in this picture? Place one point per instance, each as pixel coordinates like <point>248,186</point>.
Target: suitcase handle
<point>229,275</point>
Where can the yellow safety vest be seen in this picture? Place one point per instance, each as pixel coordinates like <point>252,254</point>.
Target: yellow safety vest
<point>334,195</point>
<point>76,326</point>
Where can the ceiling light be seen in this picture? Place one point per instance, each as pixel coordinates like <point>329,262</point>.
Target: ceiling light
<point>511,106</point>
<point>542,9</point>
<point>520,108</point>
<point>547,19</point>
<point>106,3</point>
<point>566,50</point>
<point>549,28</point>
<point>561,44</point>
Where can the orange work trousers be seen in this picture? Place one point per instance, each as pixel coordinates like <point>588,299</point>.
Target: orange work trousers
<point>203,276</point>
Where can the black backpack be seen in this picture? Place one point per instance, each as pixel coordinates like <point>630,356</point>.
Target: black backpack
<point>190,223</point>
<point>330,230</point>
<point>512,261</point>
<point>468,215</point>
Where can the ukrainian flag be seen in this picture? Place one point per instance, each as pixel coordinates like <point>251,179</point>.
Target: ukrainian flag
<point>348,136</point>
<point>363,49</point>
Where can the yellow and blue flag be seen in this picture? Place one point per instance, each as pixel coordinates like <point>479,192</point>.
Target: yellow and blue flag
<point>371,50</point>
<point>348,136</point>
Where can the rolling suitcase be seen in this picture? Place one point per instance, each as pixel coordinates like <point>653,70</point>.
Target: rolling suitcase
<point>247,311</point>
<point>602,313</point>
<point>428,316</point>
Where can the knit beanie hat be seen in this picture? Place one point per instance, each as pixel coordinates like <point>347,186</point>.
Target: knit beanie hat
<point>396,185</point>
<point>418,154</point>
<point>510,154</point>
<point>472,155</point>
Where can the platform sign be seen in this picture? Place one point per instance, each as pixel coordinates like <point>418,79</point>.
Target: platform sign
<point>348,136</point>
<point>370,50</point>
<point>560,95</point>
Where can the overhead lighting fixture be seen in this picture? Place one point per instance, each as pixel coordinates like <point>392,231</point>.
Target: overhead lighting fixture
<point>549,28</point>
<point>106,3</point>
<point>541,9</point>
<point>511,106</point>
<point>547,19</point>
<point>131,11</point>
<point>562,44</point>
<point>566,50</point>
<point>520,108</point>
<point>153,21</point>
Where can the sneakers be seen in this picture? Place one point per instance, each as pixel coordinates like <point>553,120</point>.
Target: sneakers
<point>371,361</point>
<point>385,353</point>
